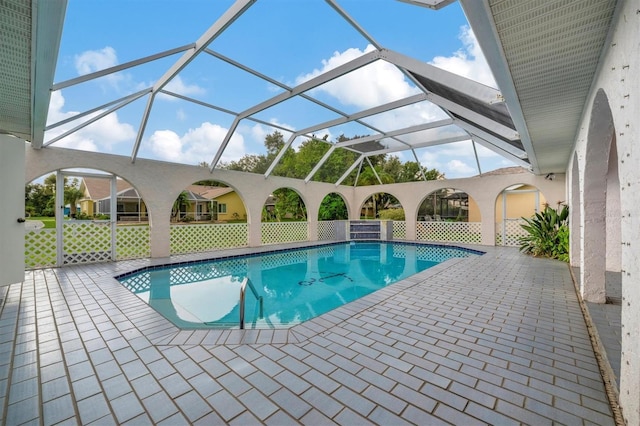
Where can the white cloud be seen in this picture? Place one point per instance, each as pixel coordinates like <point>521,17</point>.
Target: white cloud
<point>377,83</point>
<point>195,146</point>
<point>96,60</point>
<point>179,86</point>
<point>468,61</point>
<point>103,135</point>
<point>456,168</point>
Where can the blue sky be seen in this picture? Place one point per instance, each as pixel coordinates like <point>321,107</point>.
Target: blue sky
<point>289,41</point>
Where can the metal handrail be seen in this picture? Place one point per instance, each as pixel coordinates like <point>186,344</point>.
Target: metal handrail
<point>260,300</point>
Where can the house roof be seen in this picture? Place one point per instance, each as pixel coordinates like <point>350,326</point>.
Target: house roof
<point>100,188</point>
<point>210,192</point>
<point>506,171</point>
<point>192,196</point>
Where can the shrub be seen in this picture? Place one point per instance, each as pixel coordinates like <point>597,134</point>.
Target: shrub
<point>547,234</point>
<point>392,214</point>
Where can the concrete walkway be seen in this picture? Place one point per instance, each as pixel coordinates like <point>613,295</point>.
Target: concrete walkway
<point>495,339</point>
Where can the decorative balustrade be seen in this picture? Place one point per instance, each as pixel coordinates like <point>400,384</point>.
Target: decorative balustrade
<point>284,232</point>
<point>399,230</point>
<point>90,242</point>
<point>454,232</point>
<point>326,230</point>
<point>509,231</point>
<point>40,248</point>
<point>205,237</point>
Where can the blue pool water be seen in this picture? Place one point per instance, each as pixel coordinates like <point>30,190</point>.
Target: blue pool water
<point>295,285</point>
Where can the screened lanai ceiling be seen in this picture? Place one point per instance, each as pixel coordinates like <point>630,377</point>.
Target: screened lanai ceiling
<point>204,82</point>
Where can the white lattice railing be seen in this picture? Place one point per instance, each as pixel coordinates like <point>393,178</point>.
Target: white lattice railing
<point>132,242</point>
<point>86,241</point>
<point>399,230</point>
<point>326,230</point>
<point>509,232</point>
<point>284,232</point>
<point>40,248</point>
<point>457,232</point>
<point>205,237</point>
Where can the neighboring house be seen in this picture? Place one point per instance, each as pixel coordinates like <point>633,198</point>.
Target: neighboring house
<point>197,208</point>
<point>96,199</point>
<point>223,203</point>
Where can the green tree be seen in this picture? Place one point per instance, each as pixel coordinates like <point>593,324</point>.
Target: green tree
<point>333,207</point>
<point>38,200</point>
<point>250,163</point>
<point>289,205</point>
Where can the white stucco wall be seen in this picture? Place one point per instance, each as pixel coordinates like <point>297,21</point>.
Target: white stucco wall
<point>618,78</point>
<point>159,184</point>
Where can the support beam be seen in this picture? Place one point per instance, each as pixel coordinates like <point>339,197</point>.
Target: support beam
<point>324,158</point>
<point>233,13</point>
<point>399,132</point>
<point>479,15</point>
<point>224,144</point>
<point>47,18</point>
<point>126,101</point>
<point>516,159</point>
<point>354,23</point>
<point>374,171</point>
<point>131,97</point>
<point>483,134</point>
<point>280,154</point>
<point>332,74</point>
<point>425,144</point>
<point>349,170</point>
<point>118,68</point>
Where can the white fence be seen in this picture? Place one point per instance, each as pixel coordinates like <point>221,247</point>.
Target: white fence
<point>90,242</point>
<point>206,237</point>
<point>326,230</point>
<point>284,232</point>
<point>455,232</point>
<point>509,232</point>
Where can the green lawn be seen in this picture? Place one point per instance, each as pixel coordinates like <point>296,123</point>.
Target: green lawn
<point>49,222</point>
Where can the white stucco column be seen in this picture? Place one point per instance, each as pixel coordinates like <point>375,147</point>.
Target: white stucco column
<point>12,172</point>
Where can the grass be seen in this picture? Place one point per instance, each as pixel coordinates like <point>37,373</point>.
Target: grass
<point>49,222</point>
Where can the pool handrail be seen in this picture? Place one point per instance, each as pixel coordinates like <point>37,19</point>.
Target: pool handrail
<point>260,299</point>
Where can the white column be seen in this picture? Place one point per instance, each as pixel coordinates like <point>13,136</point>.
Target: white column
<point>12,175</point>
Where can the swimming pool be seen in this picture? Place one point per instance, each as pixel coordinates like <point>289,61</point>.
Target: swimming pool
<point>283,288</point>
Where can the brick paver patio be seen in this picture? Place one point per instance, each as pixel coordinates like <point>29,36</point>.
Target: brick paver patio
<point>495,339</point>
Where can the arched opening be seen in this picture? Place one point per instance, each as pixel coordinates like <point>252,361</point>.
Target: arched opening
<point>208,215</point>
<point>332,208</point>
<point>382,205</point>
<point>600,221</point>
<point>284,217</point>
<point>97,218</point>
<point>512,205</point>
<point>450,215</point>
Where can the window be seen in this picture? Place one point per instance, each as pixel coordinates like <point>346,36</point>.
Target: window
<point>222,208</point>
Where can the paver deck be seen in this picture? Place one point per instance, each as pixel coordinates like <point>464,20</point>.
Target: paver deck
<point>493,339</point>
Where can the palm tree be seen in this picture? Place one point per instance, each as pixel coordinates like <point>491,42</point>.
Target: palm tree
<point>178,204</point>
<point>71,197</point>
